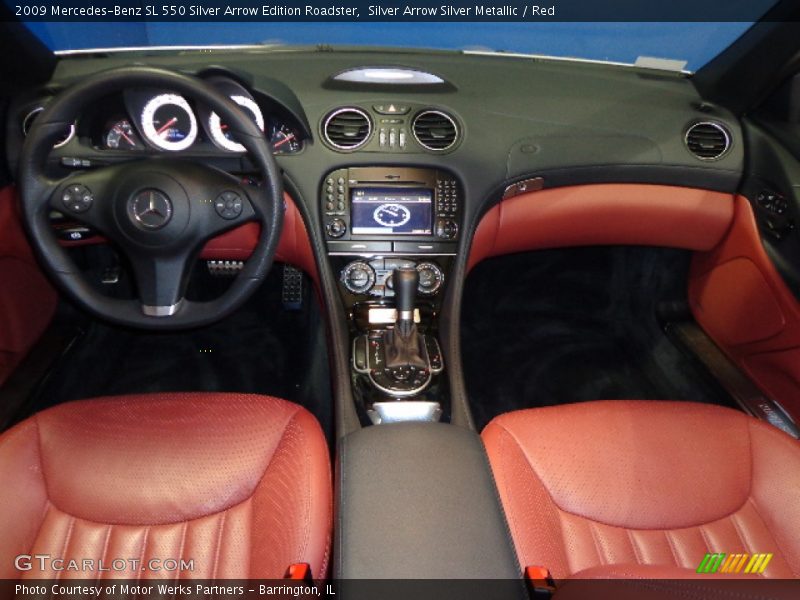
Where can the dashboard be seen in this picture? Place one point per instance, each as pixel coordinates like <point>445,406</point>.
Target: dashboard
<point>399,153</point>
<point>490,120</point>
<point>448,134</point>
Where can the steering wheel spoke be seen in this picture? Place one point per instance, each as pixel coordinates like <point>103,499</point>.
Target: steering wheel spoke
<point>85,197</point>
<point>161,282</point>
<point>230,207</point>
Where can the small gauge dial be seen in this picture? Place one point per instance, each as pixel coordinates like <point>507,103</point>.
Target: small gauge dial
<point>391,215</point>
<point>168,122</point>
<point>27,123</point>
<point>121,136</point>
<point>284,139</point>
<point>219,129</point>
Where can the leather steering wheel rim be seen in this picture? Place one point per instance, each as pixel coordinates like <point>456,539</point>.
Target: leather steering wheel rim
<point>37,192</point>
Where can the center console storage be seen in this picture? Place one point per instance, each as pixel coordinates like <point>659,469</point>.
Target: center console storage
<point>391,235</point>
<point>418,500</point>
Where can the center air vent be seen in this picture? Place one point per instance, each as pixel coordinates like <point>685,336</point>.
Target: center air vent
<point>435,130</point>
<point>708,140</point>
<point>347,128</point>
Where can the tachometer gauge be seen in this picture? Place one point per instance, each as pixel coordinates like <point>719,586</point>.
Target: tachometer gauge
<point>219,129</point>
<point>121,136</point>
<point>284,139</point>
<point>169,123</point>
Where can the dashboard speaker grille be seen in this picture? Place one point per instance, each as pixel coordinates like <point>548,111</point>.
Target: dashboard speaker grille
<point>347,128</point>
<point>435,130</point>
<point>708,140</point>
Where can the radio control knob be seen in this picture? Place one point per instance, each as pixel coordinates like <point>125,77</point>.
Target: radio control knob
<point>336,228</point>
<point>446,229</point>
<point>431,278</point>
<point>358,277</point>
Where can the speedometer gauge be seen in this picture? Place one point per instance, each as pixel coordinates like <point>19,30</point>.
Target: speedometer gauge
<point>219,130</point>
<point>168,122</point>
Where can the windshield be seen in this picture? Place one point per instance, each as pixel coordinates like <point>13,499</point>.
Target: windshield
<point>683,46</point>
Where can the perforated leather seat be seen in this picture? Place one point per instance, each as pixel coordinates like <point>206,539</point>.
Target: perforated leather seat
<point>238,484</point>
<point>645,489</point>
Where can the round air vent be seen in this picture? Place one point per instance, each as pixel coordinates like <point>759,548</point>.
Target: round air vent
<point>347,128</point>
<point>708,140</point>
<point>435,130</point>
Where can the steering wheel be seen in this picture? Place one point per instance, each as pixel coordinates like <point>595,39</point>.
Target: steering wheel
<point>159,211</point>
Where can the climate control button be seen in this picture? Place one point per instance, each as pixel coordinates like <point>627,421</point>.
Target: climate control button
<point>358,277</point>
<point>431,278</point>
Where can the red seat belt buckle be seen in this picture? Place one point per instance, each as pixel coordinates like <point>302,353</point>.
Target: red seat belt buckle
<point>299,572</point>
<point>540,583</point>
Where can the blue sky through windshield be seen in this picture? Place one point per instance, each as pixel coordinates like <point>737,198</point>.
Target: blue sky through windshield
<point>695,43</point>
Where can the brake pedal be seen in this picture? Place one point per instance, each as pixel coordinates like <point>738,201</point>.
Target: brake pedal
<point>292,289</point>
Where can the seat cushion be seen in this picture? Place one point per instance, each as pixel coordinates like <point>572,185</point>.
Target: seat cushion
<point>625,483</point>
<point>239,484</point>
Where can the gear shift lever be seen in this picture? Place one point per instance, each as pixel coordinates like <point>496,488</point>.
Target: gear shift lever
<point>404,346</point>
<point>405,290</point>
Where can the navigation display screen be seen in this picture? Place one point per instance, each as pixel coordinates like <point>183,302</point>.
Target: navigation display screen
<point>385,211</point>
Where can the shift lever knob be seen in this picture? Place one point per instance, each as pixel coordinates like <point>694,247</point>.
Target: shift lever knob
<point>405,282</point>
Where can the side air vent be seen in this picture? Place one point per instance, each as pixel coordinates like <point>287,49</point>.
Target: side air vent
<point>435,130</point>
<point>708,140</point>
<point>347,128</point>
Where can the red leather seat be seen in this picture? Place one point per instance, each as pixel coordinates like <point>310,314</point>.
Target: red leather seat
<point>645,489</point>
<point>239,484</point>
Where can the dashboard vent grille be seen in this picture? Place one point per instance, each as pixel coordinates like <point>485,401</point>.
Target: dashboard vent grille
<point>347,128</point>
<point>708,140</point>
<point>435,130</point>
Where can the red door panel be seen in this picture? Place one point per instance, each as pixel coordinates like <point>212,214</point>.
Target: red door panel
<point>742,302</point>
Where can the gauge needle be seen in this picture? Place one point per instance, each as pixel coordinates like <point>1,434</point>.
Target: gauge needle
<point>167,125</point>
<point>123,134</point>
<point>288,138</point>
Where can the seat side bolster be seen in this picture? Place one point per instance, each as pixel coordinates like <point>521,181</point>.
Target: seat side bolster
<point>776,488</point>
<point>23,493</point>
<point>530,511</point>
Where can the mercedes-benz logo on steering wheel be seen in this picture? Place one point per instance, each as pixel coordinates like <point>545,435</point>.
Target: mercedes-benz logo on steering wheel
<point>151,209</point>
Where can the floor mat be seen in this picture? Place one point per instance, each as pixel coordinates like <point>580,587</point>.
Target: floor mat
<point>559,326</point>
<point>261,348</point>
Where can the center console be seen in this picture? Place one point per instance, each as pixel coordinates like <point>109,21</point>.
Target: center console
<point>391,236</point>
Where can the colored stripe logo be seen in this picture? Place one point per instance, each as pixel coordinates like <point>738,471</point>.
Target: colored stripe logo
<point>720,562</point>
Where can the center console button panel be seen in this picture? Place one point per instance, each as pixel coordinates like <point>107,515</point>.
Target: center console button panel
<point>392,235</point>
<point>373,277</point>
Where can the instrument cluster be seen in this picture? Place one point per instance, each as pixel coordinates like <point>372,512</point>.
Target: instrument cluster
<point>161,120</point>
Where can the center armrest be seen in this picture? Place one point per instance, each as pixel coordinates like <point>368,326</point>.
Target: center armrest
<point>418,501</point>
